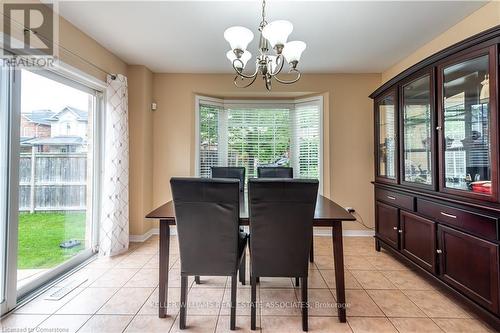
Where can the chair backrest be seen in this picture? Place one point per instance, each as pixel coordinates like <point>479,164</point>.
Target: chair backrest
<point>207,217</point>
<point>230,172</point>
<point>281,215</point>
<point>274,172</point>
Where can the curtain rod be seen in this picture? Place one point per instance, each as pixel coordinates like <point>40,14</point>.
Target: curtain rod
<point>26,30</point>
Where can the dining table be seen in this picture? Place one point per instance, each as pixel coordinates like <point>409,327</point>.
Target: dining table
<point>327,214</point>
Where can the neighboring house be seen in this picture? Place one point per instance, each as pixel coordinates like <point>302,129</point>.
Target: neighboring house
<point>69,122</point>
<point>64,131</point>
<point>36,124</point>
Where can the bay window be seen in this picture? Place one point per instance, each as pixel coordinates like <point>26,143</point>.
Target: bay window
<point>253,134</point>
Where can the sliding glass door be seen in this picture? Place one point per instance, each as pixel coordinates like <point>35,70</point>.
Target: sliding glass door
<point>56,175</point>
<point>49,178</point>
<point>4,156</point>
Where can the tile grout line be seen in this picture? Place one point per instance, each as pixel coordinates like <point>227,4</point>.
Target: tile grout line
<point>260,307</point>
<point>82,289</point>
<point>59,308</point>
<point>221,303</point>
<point>139,309</point>
<point>118,289</point>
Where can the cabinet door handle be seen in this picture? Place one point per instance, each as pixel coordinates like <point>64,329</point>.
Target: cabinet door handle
<point>400,231</point>
<point>438,128</point>
<point>439,251</point>
<point>448,215</point>
<point>395,228</point>
<point>391,197</point>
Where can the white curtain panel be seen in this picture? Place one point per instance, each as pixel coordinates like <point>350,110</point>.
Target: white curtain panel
<point>114,233</point>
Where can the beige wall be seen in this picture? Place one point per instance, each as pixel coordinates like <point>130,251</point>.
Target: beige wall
<point>140,84</point>
<point>348,129</point>
<point>486,17</point>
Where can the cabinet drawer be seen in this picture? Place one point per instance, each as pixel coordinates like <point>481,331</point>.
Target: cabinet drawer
<point>395,199</point>
<point>480,225</point>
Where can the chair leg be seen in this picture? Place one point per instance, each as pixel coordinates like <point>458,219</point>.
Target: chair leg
<point>253,305</point>
<point>297,282</point>
<point>311,251</point>
<point>305,305</point>
<point>197,279</point>
<point>243,265</point>
<point>234,286</point>
<point>182,314</point>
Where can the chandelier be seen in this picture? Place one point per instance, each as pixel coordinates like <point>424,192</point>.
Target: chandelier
<point>268,65</point>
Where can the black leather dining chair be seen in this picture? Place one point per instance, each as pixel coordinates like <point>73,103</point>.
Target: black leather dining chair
<point>283,172</point>
<point>281,213</point>
<point>207,213</point>
<point>230,172</point>
<point>274,172</point>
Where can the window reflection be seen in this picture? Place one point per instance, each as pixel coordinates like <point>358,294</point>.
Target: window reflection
<point>387,138</point>
<point>417,131</point>
<point>467,127</point>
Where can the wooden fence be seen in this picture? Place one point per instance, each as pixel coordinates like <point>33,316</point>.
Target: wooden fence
<point>52,181</point>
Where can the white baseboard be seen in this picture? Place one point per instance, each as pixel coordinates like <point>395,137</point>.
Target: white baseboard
<point>144,237</point>
<point>346,233</point>
<point>358,233</point>
<point>317,232</point>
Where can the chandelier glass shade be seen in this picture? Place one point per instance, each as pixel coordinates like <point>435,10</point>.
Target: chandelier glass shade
<point>277,32</point>
<point>238,37</point>
<point>274,51</point>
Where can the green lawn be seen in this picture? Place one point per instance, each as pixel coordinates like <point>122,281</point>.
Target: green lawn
<point>40,235</point>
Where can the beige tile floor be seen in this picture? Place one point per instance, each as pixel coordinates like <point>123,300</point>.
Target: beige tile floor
<point>121,294</point>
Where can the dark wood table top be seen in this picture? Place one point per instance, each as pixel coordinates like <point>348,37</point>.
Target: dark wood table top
<point>327,212</point>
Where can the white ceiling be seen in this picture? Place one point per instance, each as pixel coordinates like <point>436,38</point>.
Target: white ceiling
<point>341,37</point>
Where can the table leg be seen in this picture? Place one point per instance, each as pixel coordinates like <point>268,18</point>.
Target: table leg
<point>338,254</point>
<point>164,265</point>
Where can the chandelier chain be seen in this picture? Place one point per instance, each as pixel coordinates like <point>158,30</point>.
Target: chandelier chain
<point>263,12</point>
<point>267,66</point>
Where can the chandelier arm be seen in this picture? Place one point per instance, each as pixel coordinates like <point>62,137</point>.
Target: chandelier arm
<point>245,86</point>
<point>289,81</point>
<point>280,67</point>
<point>240,72</point>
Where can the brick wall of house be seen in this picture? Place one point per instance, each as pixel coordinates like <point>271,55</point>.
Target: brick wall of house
<point>32,130</point>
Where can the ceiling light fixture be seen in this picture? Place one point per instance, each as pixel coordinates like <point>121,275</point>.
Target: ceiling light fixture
<point>272,35</point>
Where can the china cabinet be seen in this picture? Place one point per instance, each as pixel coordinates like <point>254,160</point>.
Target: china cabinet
<point>436,150</point>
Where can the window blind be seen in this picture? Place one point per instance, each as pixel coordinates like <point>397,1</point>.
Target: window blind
<point>209,138</point>
<point>260,134</point>
<point>307,139</point>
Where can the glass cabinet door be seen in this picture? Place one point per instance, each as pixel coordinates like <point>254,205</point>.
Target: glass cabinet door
<point>467,122</point>
<point>417,132</point>
<point>386,120</point>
